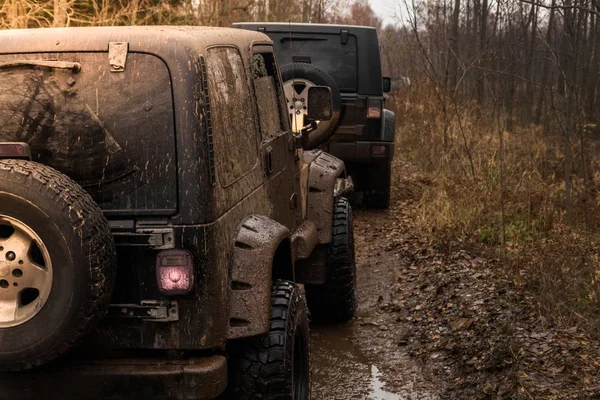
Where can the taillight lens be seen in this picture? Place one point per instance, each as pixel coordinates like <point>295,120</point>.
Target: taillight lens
<point>175,272</point>
<point>374,108</point>
<point>378,150</point>
<point>14,150</point>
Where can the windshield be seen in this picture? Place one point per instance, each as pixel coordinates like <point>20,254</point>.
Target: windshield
<point>112,133</point>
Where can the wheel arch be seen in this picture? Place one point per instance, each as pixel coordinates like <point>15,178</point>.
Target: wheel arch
<point>283,264</point>
<point>261,253</point>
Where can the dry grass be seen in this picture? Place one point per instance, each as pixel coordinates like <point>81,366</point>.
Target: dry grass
<point>504,192</point>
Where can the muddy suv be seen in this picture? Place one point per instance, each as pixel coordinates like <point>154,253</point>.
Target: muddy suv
<point>160,224</point>
<point>347,59</point>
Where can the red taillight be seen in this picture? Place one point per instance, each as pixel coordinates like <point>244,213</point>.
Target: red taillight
<point>378,150</point>
<point>14,150</point>
<point>374,108</point>
<point>175,272</point>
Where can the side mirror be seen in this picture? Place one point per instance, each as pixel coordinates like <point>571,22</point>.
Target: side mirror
<point>320,106</point>
<point>387,84</point>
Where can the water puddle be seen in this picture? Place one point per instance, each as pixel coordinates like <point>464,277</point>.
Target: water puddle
<point>341,371</point>
<point>376,387</point>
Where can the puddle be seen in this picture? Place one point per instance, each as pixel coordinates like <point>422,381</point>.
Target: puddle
<point>376,388</point>
<point>362,359</point>
<point>341,371</point>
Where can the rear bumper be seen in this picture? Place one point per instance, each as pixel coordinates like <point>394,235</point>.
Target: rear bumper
<point>132,379</point>
<point>363,152</point>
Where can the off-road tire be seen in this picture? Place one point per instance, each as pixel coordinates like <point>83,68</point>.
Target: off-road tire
<point>319,77</point>
<point>275,366</point>
<point>335,300</point>
<point>82,251</point>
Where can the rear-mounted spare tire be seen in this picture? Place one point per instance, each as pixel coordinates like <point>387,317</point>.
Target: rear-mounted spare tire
<point>57,264</point>
<point>296,78</point>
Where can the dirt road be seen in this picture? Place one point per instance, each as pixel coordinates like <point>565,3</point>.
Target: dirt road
<point>365,359</point>
<point>443,321</point>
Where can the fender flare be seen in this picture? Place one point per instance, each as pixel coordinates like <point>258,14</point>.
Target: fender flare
<point>255,248</point>
<point>324,170</point>
<point>388,131</point>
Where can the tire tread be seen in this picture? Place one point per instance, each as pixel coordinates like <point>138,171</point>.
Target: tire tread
<point>97,244</point>
<point>335,300</point>
<point>258,373</point>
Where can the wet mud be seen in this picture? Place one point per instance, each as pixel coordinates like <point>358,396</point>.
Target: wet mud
<point>442,319</point>
<point>364,358</point>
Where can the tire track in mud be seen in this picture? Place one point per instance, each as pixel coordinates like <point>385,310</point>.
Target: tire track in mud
<point>364,358</point>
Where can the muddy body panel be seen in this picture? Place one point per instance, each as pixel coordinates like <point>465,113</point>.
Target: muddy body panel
<point>324,170</point>
<point>124,378</point>
<point>181,50</point>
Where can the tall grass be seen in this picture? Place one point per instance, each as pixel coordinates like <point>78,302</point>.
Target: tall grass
<point>503,192</point>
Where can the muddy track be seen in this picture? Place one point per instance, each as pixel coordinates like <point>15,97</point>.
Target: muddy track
<point>366,358</point>
<point>440,320</point>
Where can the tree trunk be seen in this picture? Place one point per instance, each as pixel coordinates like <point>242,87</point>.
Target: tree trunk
<point>60,13</point>
<point>453,68</point>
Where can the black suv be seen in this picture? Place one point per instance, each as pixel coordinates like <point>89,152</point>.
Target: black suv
<point>161,227</point>
<point>347,59</point>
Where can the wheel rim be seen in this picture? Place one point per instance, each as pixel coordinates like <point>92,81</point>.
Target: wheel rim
<point>296,95</point>
<point>300,369</point>
<point>25,273</point>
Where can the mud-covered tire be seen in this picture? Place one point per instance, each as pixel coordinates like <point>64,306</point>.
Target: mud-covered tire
<point>335,300</point>
<point>79,252</point>
<point>318,77</point>
<point>274,366</point>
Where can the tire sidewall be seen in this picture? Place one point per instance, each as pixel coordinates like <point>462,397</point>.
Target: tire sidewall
<point>344,202</point>
<point>351,248</point>
<point>54,322</point>
<point>316,76</point>
<point>336,300</point>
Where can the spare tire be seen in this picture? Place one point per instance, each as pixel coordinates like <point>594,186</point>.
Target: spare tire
<point>57,264</point>
<point>298,76</point>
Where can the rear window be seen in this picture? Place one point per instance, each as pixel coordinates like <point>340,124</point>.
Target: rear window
<point>113,133</point>
<point>323,51</point>
<point>268,93</point>
<point>234,132</point>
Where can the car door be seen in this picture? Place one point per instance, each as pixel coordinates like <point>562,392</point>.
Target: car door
<point>277,145</point>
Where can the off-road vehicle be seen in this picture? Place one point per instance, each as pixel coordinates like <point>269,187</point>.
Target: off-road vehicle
<point>160,223</point>
<point>347,59</point>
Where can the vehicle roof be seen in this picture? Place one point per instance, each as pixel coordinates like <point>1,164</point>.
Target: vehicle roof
<point>140,38</point>
<point>305,27</point>
<point>367,45</point>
